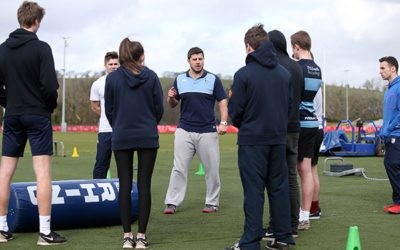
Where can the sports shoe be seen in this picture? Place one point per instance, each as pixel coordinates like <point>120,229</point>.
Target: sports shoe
<point>317,215</point>
<point>5,236</point>
<point>388,207</point>
<point>210,209</point>
<point>142,243</point>
<point>304,225</point>
<point>277,245</point>
<point>51,239</point>
<point>128,243</point>
<point>268,234</point>
<point>234,247</point>
<point>170,209</point>
<point>395,209</point>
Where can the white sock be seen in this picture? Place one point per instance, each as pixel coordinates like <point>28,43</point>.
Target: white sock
<point>44,222</point>
<point>3,223</point>
<point>304,215</point>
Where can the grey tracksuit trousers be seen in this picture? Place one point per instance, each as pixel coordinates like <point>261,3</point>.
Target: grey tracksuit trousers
<point>206,145</point>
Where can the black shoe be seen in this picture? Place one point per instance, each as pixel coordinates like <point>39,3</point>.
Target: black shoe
<point>316,216</point>
<point>277,245</point>
<point>5,236</point>
<point>268,234</point>
<point>51,239</point>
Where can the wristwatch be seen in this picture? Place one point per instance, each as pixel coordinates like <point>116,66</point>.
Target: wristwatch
<point>224,123</point>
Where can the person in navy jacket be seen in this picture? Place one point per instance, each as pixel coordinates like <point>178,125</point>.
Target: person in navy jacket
<point>134,107</point>
<point>390,130</point>
<point>28,91</point>
<point>259,106</point>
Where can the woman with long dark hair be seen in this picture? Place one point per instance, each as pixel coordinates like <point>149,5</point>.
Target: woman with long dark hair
<point>134,107</point>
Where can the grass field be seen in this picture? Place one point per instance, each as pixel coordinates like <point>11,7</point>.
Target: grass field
<point>345,201</point>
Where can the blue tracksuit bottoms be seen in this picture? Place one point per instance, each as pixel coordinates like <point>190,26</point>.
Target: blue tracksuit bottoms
<point>263,167</point>
<point>103,156</point>
<point>392,165</point>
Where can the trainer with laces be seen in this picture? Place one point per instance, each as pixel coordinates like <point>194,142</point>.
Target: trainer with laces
<point>197,132</point>
<point>50,239</point>
<point>277,245</point>
<point>128,243</point>
<point>390,131</point>
<point>5,236</point>
<point>27,73</point>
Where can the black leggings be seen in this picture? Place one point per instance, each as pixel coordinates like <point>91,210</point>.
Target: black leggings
<point>146,161</point>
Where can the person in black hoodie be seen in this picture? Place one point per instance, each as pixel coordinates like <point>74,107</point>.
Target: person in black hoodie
<point>259,105</point>
<point>293,129</point>
<point>134,106</point>
<point>28,90</point>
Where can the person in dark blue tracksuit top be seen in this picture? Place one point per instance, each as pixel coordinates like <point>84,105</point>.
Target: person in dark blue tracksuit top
<point>390,131</point>
<point>259,106</point>
<point>134,106</point>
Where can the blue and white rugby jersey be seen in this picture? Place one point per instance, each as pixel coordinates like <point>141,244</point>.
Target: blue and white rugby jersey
<point>312,82</point>
<point>197,101</point>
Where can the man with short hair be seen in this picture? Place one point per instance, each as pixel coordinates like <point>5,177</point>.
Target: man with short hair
<point>197,132</point>
<point>27,73</point>
<point>259,106</point>
<point>390,130</point>
<point>103,156</point>
<point>301,45</point>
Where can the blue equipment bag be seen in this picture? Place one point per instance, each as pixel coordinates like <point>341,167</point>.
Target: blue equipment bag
<point>75,204</point>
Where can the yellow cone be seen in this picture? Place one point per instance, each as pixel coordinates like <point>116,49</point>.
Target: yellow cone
<point>75,153</point>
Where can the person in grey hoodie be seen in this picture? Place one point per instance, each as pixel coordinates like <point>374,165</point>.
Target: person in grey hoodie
<point>134,107</point>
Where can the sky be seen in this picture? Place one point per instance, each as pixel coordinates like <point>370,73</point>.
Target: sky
<point>348,36</point>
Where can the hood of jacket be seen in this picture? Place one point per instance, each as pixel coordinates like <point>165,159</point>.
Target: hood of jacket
<point>134,80</point>
<point>20,37</point>
<point>395,81</point>
<point>279,41</point>
<point>264,55</point>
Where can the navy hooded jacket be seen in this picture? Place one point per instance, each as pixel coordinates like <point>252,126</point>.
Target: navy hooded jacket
<point>134,107</point>
<point>261,98</point>
<point>279,42</point>
<point>27,72</point>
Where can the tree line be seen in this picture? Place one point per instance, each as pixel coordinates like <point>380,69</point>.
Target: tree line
<point>364,103</point>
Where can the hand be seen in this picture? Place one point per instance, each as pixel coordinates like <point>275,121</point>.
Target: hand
<point>172,92</point>
<point>221,129</point>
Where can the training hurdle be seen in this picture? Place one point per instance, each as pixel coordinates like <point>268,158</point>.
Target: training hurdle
<point>75,204</point>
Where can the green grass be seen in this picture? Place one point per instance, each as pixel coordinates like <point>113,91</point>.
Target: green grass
<point>345,201</point>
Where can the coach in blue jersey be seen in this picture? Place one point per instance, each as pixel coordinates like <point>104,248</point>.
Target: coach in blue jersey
<point>390,131</point>
<point>259,106</point>
<point>197,90</point>
<point>301,45</point>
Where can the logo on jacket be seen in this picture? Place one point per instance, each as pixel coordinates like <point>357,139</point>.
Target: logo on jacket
<point>393,140</point>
